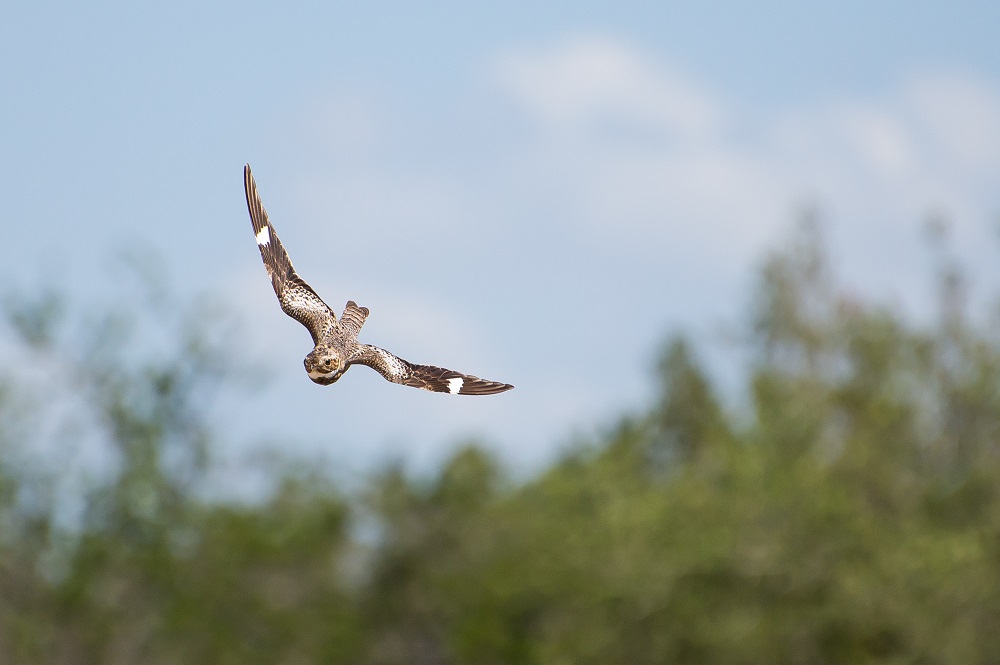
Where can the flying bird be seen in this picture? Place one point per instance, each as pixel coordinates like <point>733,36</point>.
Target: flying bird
<point>336,345</point>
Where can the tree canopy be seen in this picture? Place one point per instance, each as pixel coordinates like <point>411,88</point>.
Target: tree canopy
<point>845,507</point>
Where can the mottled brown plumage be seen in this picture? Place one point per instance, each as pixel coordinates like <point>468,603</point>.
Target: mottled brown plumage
<point>336,345</point>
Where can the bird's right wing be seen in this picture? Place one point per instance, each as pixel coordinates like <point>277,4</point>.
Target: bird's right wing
<point>297,299</point>
<point>425,377</point>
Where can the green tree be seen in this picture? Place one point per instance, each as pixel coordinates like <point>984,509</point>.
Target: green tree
<point>847,510</point>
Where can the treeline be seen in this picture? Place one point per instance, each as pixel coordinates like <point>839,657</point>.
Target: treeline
<point>845,508</point>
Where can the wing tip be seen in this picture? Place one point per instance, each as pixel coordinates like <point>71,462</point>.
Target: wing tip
<point>494,388</point>
<point>473,385</point>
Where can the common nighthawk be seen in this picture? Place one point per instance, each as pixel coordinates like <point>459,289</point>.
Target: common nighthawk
<point>336,342</point>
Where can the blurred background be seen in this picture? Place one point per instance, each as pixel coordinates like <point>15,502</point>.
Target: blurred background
<point>739,260</point>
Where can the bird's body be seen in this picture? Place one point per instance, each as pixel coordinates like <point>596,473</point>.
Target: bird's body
<point>336,346</point>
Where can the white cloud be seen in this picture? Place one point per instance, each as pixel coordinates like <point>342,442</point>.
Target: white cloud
<point>880,140</point>
<point>673,171</point>
<point>959,115</point>
<point>586,79</point>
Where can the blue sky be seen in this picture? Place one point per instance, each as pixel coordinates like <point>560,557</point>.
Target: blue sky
<point>532,192</point>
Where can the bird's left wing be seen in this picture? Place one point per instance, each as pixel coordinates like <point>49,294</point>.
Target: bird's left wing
<point>426,377</point>
<point>297,299</point>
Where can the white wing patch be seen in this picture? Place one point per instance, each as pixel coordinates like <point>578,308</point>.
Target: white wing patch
<point>263,236</point>
<point>425,377</point>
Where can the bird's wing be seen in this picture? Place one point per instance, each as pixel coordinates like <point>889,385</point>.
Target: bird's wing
<point>297,299</point>
<point>426,377</point>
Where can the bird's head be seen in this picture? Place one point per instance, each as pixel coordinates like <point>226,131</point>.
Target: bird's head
<point>324,365</point>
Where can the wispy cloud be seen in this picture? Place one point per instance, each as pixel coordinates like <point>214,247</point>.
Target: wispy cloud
<point>644,154</point>
<point>584,81</point>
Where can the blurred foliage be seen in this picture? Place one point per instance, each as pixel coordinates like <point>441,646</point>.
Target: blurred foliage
<point>847,510</point>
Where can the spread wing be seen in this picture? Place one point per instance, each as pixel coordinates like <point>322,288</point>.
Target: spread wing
<point>426,377</point>
<point>297,298</point>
